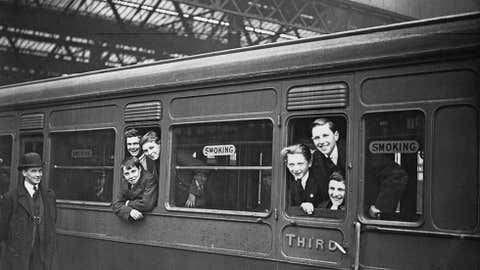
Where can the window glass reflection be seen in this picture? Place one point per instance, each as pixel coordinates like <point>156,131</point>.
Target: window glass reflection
<point>394,165</point>
<point>223,165</point>
<point>82,165</point>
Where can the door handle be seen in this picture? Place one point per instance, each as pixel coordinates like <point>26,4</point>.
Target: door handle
<point>338,246</point>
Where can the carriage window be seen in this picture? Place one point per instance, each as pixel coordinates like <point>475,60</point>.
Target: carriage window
<point>32,143</point>
<point>144,143</point>
<point>315,160</point>
<point>82,165</point>
<point>5,162</point>
<point>223,166</point>
<point>394,160</point>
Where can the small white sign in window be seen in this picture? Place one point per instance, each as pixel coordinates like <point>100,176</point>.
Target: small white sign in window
<point>390,147</point>
<point>82,153</point>
<point>219,150</point>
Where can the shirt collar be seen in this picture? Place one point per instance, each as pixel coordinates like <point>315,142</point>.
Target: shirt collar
<point>304,179</point>
<point>334,155</point>
<point>29,187</point>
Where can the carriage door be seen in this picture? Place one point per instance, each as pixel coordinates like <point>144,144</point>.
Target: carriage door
<point>315,220</point>
<point>393,176</point>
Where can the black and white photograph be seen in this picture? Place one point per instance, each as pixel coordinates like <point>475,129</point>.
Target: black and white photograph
<point>240,134</point>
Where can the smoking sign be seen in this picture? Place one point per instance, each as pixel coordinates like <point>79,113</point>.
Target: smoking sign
<point>219,150</point>
<point>391,147</point>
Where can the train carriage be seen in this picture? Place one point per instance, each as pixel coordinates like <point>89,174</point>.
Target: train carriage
<point>408,93</point>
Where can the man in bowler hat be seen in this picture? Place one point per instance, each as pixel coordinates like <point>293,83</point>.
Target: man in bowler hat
<point>27,220</point>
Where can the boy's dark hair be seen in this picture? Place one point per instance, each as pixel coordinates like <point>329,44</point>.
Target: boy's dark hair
<point>132,133</point>
<point>324,121</point>
<point>130,163</point>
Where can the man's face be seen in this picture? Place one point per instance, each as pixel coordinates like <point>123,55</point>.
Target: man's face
<point>131,174</point>
<point>152,150</point>
<point>336,191</point>
<point>133,146</point>
<point>200,178</point>
<point>298,165</point>
<point>33,175</point>
<point>324,139</point>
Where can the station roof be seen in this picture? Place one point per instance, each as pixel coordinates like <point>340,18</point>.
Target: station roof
<point>49,38</point>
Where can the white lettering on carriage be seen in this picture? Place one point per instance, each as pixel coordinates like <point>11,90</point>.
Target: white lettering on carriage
<point>295,241</point>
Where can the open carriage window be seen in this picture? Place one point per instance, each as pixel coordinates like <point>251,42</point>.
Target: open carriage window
<point>225,165</point>
<point>5,162</point>
<point>143,142</point>
<point>315,161</point>
<point>394,165</point>
<point>82,165</point>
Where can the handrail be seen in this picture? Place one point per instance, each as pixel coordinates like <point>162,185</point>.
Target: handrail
<point>423,232</point>
<point>236,168</point>
<point>358,228</point>
<point>83,167</point>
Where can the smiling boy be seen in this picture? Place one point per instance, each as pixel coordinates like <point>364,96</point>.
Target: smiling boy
<point>138,192</point>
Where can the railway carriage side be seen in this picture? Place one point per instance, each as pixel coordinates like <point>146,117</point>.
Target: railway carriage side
<point>407,123</point>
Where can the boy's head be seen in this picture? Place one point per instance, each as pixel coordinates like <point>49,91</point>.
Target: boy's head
<point>151,145</point>
<point>298,159</point>
<point>131,170</point>
<point>132,140</point>
<point>336,188</point>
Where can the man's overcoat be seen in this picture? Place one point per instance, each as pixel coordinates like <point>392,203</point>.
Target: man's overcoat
<point>17,228</point>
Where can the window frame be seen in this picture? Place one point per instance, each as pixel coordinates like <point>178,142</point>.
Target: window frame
<point>11,171</point>
<point>51,167</point>
<point>170,183</point>
<point>153,126</point>
<point>362,183</point>
<point>335,215</point>
<point>32,137</point>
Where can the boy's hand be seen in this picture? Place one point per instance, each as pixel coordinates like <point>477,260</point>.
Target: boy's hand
<point>135,214</point>
<point>307,207</point>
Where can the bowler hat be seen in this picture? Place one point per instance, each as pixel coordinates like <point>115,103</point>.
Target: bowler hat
<point>30,160</point>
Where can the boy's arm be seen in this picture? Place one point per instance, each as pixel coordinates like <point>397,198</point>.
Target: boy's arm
<point>119,206</point>
<point>148,199</point>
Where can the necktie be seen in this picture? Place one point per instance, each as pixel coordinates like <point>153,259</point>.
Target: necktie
<point>35,192</point>
<point>36,204</point>
<point>330,163</point>
<point>299,192</point>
